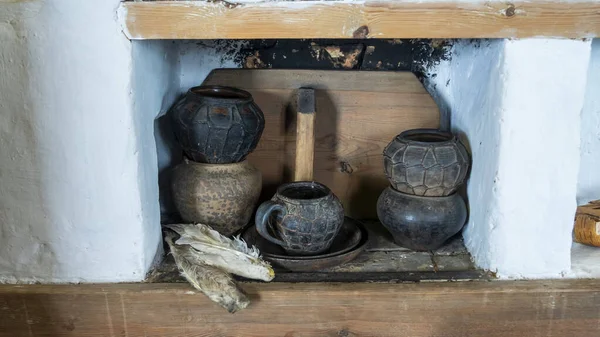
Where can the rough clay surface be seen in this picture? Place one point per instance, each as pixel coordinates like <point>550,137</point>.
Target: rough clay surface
<point>517,118</point>
<point>222,196</point>
<point>76,196</point>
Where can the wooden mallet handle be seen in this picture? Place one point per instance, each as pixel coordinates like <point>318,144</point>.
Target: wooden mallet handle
<point>305,135</point>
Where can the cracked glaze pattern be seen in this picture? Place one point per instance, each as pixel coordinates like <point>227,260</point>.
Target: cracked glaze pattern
<point>426,162</point>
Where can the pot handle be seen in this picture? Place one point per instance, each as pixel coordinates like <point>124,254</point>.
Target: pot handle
<point>262,218</point>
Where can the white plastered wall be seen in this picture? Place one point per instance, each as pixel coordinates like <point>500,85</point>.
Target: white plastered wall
<point>517,104</point>
<point>76,194</point>
<point>586,259</point>
<point>589,173</point>
<point>78,155</point>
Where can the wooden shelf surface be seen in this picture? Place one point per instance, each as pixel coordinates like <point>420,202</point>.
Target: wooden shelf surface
<point>480,308</point>
<point>359,19</point>
<point>381,261</point>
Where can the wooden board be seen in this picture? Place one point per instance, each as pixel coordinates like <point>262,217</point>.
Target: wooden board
<point>452,309</point>
<point>370,19</point>
<point>358,114</point>
<point>381,260</point>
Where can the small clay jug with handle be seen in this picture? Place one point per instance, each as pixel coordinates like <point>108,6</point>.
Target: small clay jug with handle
<point>303,217</point>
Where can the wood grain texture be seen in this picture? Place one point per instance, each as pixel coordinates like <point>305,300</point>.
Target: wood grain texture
<point>305,146</point>
<point>369,19</point>
<point>453,309</point>
<point>358,114</point>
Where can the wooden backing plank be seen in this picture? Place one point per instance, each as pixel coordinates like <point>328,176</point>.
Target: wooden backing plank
<point>360,19</point>
<point>380,81</point>
<point>358,114</point>
<point>497,308</point>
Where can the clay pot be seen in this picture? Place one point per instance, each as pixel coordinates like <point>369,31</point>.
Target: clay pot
<point>222,196</point>
<point>421,223</point>
<point>305,215</point>
<point>217,125</point>
<point>426,162</point>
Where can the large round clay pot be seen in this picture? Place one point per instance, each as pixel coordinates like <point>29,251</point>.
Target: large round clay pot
<point>217,125</point>
<point>426,162</point>
<point>421,223</point>
<point>222,196</point>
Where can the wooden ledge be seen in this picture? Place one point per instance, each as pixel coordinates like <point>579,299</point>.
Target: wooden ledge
<point>491,309</point>
<point>359,19</point>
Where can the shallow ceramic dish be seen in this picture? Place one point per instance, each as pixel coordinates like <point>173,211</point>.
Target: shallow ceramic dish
<point>347,245</point>
<point>347,238</point>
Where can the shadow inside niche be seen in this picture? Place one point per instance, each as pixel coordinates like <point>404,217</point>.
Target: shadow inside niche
<point>364,199</point>
<point>169,155</point>
<point>462,190</point>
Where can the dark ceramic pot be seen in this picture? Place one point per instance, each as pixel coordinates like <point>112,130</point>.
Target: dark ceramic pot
<point>217,125</point>
<point>305,215</point>
<point>426,162</point>
<point>421,223</point>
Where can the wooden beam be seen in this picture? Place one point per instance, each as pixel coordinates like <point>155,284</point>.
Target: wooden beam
<point>361,19</point>
<point>491,309</point>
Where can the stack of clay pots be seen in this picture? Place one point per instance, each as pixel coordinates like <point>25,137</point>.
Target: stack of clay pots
<point>217,127</point>
<point>421,208</point>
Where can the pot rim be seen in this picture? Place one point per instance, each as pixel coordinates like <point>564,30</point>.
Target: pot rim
<point>451,195</point>
<point>213,165</point>
<point>281,190</point>
<point>443,137</point>
<point>219,93</point>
